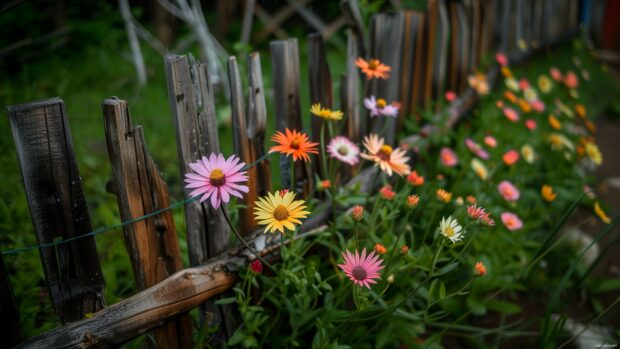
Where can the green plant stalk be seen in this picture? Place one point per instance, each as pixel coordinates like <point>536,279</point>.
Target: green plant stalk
<point>244,242</point>
<point>400,233</point>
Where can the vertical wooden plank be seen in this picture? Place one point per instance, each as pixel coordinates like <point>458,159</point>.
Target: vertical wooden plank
<point>191,100</point>
<point>152,243</point>
<point>430,31</point>
<point>10,329</point>
<point>410,21</point>
<point>386,39</point>
<point>285,56</point>
<point>487,15</point>
<point>441,52</point>
<point>453,68</point>
<point>349,91</point>
<point>464,39</point>
<point>419,65</point>
<point>57,207</point>
<point>505,37</point>
<point>257,124</point>
<point>242,146</point>
<point>320,86</point>
<point>537,22</point>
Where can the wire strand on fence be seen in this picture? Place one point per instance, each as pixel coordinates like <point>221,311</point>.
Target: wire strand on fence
<point>118,225</point>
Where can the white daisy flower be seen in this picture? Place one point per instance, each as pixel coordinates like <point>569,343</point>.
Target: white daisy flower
<point>344,150</point>
<point>380,107</point>
<point>450,228</point>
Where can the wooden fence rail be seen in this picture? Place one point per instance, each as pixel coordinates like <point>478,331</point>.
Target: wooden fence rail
<point>429,52</point>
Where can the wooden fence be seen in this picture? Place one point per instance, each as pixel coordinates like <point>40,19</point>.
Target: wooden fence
<point>429,52</point>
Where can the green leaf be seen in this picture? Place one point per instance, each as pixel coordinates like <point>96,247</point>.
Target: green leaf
<point>503,307</point>
<point>447,268</point>
<point>442,290</point>
<point>237,338</point>
<point>431,290</point>
<point>226,300</point>
<point>603,285</point>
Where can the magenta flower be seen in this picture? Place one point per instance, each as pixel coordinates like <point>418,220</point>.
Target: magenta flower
<point>538,105</point>
<point>217,178</point>
<point>362,270</point>
<point>556,74</point>
<point>450,96</point>
<point>476,149</point>
<point>508,191</point>
<point>380,107</point>
<point>501,59</point>
<point>531,124</point>
<point>448,157</point>
<point>490,141</point>
<point>511,221</point>
<point>343,149</point>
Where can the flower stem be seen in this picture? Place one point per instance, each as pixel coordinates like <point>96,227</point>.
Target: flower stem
<point>244,242</point>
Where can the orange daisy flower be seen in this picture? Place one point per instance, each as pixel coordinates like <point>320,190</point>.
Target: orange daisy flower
<point>373,68</point>
<point>295,143</point>
<point>389,159</point>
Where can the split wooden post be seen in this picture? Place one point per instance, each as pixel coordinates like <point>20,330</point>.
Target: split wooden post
<point>242,146</point>
<point>386,38</point>
<point>257,124</point>
<point>440,55</point>
<point>320,88</point>
<point>350,91</point>
<point>57,207</point>
<point>353,16</point>
<point>10,329</point>
<point>285,56</point>
<point>152,243</point>
<point>193,107</point>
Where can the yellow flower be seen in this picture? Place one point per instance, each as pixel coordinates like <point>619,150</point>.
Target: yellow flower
<point>594,153</point>
<point>528,153</point>
<point>522,45</point>
<point>512,84</point>
<point>278,211</point>
<point>601,214</point>
<point>443,195</point>
<point>479,168</point>
<point>559,142</point>
<point>506,72</point>
<point>547,193</point>
<point>325,113</point>
<point>544,83</point>
<point>566,110</point>
<point>530,94</point>
<point>554,122</point>
<point>580,109</point>
<point>524,105</point>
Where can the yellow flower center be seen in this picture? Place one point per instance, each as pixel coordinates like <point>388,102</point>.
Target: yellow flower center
<point>359,273</point>
<point>217,178</point>
<point>384,152</point>
<point>381,103</point>
<point>326,113</point>
<point>280,213</point>
<point>295,143</point>
<point>343,150</point>
<point>373,64</point>
<point>449,232</point>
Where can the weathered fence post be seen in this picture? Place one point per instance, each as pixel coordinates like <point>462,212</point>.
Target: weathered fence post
<point>350,91</point>
<point>320,86</point>
<point>152,243</point>
<point>57,207</point>
<point>257,123</point>
<point>10,329</point>
<point>386,38</point>
<point>242,145</point>
<point>193,108</point>
<point>285,56</point>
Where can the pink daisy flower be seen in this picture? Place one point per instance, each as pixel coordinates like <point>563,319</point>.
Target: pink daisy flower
<point>508,191</point>
<point>531,124</point>
<point>490,141</point>
<point>538,105</point>
<point>448,157</point>
<point>571,80</point>
<point>555,73</point>
<point>380,107</point>
<point>475,212</point>
<point>511,114</point>
<point>501,59</point>
<point>511,221</point>
<point>523,84</point>
<point>217,178</point>
<point>450,96</point>
<point>476,149</point>
<point>362,270</point>
<point>511,157</point>
<point>343,149</point>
